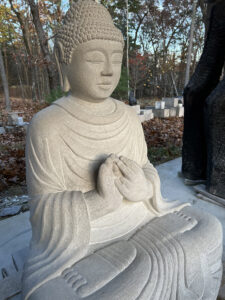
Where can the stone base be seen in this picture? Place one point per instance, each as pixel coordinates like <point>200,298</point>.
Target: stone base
<point>204,195</point>
<point>10,285</point>
<point>161,113</point>
<point>142,118</point>
<point>147,113</point>
<point>173,112</point>
<point>180,111</point>
<point>171,102</point>
<point>136,108</point>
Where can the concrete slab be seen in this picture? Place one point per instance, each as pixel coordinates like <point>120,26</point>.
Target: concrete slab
<point>142,118</point>
<point>173,112</point>
<point>137,108</point>
<point>148,114</point>
<point>180,111</point>
<point>171,102</point>
<point>173,188</point>
<point>161,113</point>
<point>15,233</point>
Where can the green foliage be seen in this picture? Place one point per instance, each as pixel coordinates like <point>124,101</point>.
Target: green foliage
<point>7,28</point>
<point>121,91</point>
<point>159,155</point>
<point>54,95</point>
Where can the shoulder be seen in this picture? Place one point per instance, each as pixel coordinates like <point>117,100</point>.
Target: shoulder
<point>47,121</point>
<point>127,108</point>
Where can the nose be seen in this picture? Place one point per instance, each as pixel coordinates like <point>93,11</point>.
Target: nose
<point>107,69</point>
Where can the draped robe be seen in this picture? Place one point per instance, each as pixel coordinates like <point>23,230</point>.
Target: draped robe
<point>66,144</point>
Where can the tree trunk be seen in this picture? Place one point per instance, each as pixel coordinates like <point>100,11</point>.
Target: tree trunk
<point>26,38</point>
<point>4,82</point>
<point>43,43</point>
<point>187,76</point>
<point>6,62</point>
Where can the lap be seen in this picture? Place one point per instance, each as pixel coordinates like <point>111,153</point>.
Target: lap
<point>163,259</point>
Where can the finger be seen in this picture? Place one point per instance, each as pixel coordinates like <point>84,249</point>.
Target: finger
<point>79,283</point>
<point>130,163</point>
<point>69,274</point>
<point>121,187</point>
<point>116,171</point>
<point>124,181</point>
<point>106,167</point>
<point>104,175</point>
<point>108,161</point>
<point>124,169</point>
<point>74,278</point>
<point>113,157</point>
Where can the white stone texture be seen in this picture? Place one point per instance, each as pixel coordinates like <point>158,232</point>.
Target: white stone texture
<point>142,118</point>
<point>137,108</point>
<point>148,114</point>
<point>180,111</point>
<point>173,112</point>
<point>14,230</point>
<point>161,113</point>
<point>157,104</point>
<point>170,102</point>
<point>93,189</point>
<point>2,130</point>
<point>20,121</point>
<point>162,104</point>
<point>12,119</point>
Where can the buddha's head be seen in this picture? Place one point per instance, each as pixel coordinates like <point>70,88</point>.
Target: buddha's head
<point>89,51</point>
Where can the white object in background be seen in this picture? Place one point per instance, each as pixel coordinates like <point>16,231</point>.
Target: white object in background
<point>180,104</point>
<point>162,104</point>
<point>20,121</point>
<point>157,105</point>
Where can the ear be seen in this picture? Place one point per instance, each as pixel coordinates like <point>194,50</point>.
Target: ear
<point>59,54</point>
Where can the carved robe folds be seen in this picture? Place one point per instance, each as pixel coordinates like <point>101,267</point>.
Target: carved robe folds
<point>140,251</point>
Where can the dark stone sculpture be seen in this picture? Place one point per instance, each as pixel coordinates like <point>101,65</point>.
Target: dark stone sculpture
<point>215,136</point>
<point>204,135</point>
<point>132,99</point>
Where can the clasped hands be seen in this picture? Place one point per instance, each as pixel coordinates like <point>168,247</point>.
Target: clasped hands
<point>120,177</point>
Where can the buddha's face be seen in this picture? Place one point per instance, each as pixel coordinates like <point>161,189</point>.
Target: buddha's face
<point>95,68</point>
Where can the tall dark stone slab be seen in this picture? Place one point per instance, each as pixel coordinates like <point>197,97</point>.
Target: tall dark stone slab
<point>215,134</point>
<point>202,83</point>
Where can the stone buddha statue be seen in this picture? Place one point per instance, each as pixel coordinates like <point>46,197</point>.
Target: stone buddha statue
<point>100,227</point>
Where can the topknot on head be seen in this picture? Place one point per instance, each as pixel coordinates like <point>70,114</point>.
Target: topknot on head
<point>86,20</point>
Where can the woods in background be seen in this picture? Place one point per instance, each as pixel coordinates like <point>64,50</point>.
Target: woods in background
<point>158,45</point>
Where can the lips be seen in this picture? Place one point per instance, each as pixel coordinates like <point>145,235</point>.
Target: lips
<point>105,86</point>
<point>105,83</point>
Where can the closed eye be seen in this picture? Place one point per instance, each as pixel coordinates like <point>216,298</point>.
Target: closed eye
<point>95,61</point>
<point>117,58</point>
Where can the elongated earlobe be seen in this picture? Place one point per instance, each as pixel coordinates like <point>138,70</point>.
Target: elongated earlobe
<point>66,84</point>
<point>59,54</point>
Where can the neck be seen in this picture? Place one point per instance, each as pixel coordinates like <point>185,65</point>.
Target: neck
<point>102,107</point>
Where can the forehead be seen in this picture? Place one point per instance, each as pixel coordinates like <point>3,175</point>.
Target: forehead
<point>104,46</point>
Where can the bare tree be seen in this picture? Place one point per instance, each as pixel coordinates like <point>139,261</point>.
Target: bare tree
<point>187,76</point>
<point>4,82</point>
<point>26,39</point>
<point>43,40</point>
